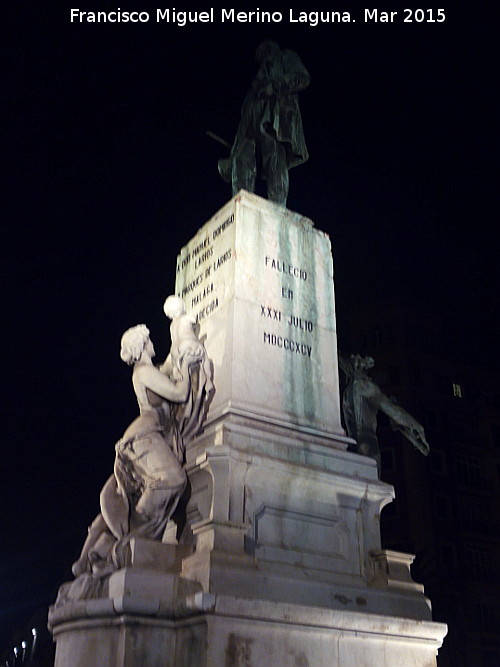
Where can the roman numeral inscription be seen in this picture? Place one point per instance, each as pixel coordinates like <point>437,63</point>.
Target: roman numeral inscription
<point>297,276</point>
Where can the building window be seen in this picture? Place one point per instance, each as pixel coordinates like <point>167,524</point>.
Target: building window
<point>469,470</point>
<point>457,390</point>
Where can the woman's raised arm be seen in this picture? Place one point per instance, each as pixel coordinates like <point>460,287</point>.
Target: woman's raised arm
<point>160,384</point>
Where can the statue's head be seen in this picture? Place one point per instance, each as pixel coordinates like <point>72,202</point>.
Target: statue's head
<point>173,307</point>
<point>265,50</point>
<point>133,343</point>
<point>360,363</point>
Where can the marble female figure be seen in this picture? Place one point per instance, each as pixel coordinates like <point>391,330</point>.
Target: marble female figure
<point>148,480</point>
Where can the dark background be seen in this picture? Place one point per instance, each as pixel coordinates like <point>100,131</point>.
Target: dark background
<point>109,172</point>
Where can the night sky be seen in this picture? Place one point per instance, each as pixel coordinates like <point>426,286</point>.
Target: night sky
<point>109,172</point>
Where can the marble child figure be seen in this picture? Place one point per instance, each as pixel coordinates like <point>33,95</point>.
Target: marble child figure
<point>182,334</point>
<point>184,340</point>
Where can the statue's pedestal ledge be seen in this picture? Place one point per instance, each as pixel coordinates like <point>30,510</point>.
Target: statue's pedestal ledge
<point>257,629</point>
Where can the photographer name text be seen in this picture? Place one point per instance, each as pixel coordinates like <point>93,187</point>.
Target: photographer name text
<point>182,18</point>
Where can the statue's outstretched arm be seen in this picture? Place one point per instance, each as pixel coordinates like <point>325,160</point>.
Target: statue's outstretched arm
<point>405,423</point>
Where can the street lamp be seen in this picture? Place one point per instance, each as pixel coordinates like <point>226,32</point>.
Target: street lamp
<point>33,632</point>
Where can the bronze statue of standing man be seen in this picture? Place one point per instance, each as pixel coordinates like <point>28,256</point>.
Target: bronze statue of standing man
<point>362,401</point>
<point>270,132</point>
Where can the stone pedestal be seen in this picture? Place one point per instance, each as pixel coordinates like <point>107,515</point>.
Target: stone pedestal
<point>145,616</point>
<point>259,279</point>
<point>279,560</point>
